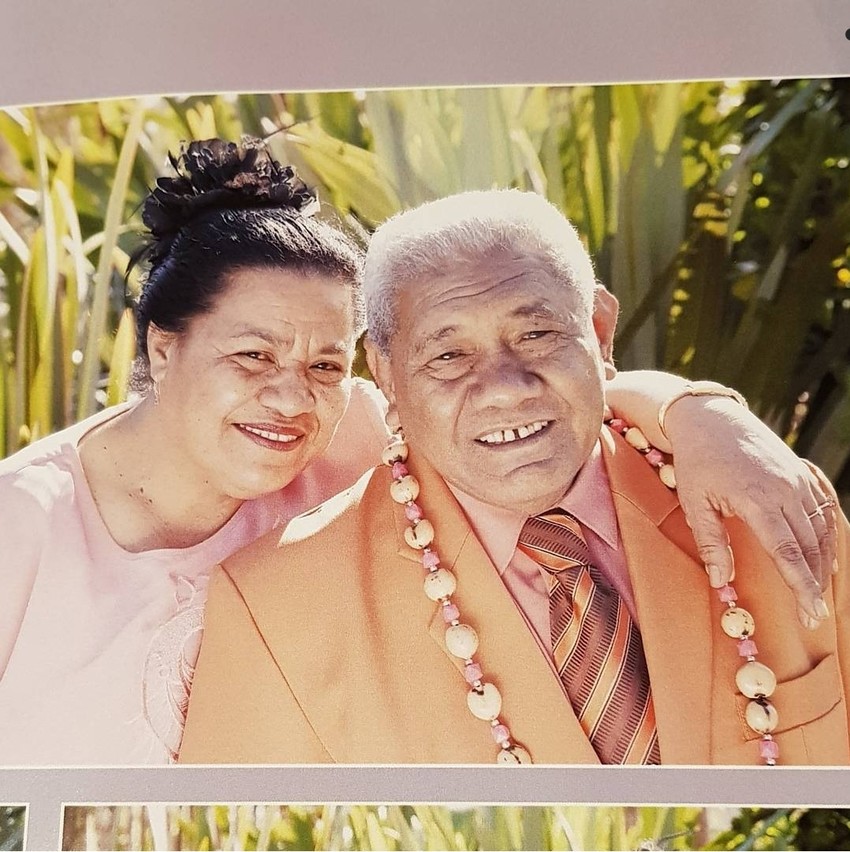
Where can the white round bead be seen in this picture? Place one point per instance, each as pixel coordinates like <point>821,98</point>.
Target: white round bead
<point>762,718</point>
<point>397,451</point>
<point>405,489</point>
<point>755,679</point>
<point>637,439</point>
<point>420,536</point>
<point>462,641</point>
<point>440,584</point>
<point>513,755</point>
<point>485,703</point>
<point>737,623</point>
<point>667,475</point>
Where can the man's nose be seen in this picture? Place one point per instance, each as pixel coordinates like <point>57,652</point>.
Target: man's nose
<point>505,380</point>
<point>288,393</point>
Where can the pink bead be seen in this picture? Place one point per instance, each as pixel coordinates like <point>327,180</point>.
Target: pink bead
<point>430,559</point>
<point>450,613</point>
<point>727,594</point>
<point>655,457</point>
<point>618,425</point>
<point>500,733</point>
<point>769,749</point>
<point>472,672</point>
<point>747,648</point>
<point>412,511</point>
<point>399,470</point>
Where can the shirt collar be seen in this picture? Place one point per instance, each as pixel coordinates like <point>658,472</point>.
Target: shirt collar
<point>588,500</point>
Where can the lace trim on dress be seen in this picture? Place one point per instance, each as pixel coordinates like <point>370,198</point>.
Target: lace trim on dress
<point>170,664</point>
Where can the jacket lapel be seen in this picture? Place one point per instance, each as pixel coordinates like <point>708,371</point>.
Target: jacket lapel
<point>675,606</point>
<point>535,707</point>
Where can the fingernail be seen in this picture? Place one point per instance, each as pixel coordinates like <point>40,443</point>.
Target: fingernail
<point>715,576</point>
<point>821,609</point>
<point>808,622</point>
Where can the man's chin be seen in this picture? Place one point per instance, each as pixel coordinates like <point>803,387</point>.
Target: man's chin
<point>529,490</point>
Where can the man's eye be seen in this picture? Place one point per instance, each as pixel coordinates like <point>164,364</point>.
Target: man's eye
<point>448,356</point>
<point>327,367</point>
<point>536,334</point>
<point>255,356</point>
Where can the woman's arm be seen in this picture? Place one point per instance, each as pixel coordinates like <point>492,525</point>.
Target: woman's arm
<point>729,463</point>
<point>22,528</point>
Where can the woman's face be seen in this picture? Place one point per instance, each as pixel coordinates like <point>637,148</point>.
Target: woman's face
<point>252,391</point>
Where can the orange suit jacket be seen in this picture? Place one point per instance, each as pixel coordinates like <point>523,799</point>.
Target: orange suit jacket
<point>321,646</point>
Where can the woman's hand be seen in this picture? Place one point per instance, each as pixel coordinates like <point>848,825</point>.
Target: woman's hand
<point>729,463</point>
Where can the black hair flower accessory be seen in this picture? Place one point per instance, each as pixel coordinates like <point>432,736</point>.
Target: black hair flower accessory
<point>215,174</point>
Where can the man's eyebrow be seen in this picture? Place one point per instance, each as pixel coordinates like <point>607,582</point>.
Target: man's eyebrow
<point>435,337</point>
<point>536,309</point>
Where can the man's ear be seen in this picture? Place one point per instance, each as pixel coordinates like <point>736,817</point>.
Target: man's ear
<point>161,347</point>
<point>606,309</point>
<point>379,367</point>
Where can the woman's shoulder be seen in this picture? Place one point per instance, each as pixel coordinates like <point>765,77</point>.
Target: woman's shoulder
<point>31,486</point>
<point>47,450</point>
<point>42,472</point>
<point>367,408</point>
<point>366,393</point>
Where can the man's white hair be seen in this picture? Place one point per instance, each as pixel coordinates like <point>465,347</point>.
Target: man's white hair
<point>436,238</point>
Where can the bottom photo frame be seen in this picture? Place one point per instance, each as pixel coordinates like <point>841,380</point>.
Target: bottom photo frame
<point>430,807</point>
<point>449,827</point>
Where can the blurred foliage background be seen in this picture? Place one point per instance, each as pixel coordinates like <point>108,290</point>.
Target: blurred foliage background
<point>718,212</point>
<point>443,827</point>
<point>12,822</point>
<point>385,827</point>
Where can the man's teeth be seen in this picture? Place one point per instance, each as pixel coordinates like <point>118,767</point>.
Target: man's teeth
<point>270,436</point>
<point>505,436</point>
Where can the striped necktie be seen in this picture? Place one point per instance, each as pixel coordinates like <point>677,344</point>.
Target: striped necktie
<point>596,646</point>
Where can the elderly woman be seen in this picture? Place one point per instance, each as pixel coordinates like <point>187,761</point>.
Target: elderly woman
<point>247,322</point>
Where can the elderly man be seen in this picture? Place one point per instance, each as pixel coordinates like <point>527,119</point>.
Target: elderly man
<point>516,583</point>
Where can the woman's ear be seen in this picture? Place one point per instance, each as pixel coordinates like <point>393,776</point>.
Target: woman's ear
<point>160,351</point>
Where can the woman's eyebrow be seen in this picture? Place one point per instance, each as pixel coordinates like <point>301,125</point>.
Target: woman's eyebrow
<point>251,331</point>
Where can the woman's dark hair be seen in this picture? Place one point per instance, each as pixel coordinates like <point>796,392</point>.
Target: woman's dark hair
<point>231,207</point>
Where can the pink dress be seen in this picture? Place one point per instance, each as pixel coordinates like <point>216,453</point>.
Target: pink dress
<point>97,644</point>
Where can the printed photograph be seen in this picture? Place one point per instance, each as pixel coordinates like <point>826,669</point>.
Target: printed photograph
<point>447,827</point>
<point>435,426</point>
<point>12,826</point>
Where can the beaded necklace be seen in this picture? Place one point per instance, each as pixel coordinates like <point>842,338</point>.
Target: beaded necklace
<point>753,679</point>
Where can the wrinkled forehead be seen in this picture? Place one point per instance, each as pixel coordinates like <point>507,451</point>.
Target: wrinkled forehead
<point>501,277</point>
<point>489,294</point>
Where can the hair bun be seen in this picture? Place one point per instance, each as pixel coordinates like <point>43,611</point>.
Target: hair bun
<point>215,174</point>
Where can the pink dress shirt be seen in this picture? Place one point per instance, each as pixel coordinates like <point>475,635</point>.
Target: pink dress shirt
<point>589,501</point>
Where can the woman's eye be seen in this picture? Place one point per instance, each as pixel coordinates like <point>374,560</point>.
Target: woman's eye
<point>253,358</point>
<point>327,367</point>
<point>536,334</point>
<point>448,356</point>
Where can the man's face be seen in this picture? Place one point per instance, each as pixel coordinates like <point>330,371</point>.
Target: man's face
<point>496,375</point>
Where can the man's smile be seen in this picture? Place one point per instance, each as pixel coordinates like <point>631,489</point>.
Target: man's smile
<point>515,433</point>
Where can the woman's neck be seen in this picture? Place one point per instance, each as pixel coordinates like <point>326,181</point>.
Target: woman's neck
<point>146,493</point>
